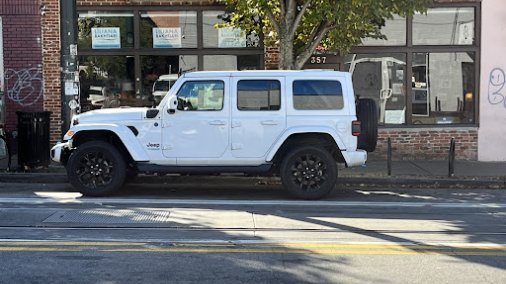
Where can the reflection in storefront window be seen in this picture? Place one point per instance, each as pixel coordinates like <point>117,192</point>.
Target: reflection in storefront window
<point>381,77</point>
<point>231,62</point>
<point>160,72</point>
<point>444,26</point>
<point>168,29</point>
<point>226,37</point>
<point>105,29</point>
<point>107,82</point>
<point>394,30</point>
<point>443,88</point>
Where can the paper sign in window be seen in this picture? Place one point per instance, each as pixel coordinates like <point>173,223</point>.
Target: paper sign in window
<point>167,38</point>
<point>231,38</point>
<point>105,38</point>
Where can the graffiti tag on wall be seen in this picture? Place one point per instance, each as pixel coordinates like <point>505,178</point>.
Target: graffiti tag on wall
<point>24,86</point>
<point>496,83</point>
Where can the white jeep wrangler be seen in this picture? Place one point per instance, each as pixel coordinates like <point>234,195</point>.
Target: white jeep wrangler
<point>295,124</point>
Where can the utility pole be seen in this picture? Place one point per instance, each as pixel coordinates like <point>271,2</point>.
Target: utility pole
<point>69,64</point>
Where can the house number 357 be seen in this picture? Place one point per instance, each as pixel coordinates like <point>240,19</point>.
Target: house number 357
<point>318,59</point>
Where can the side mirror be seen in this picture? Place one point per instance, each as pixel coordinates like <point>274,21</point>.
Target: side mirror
<point>152,113</point>
<point>171,109</point>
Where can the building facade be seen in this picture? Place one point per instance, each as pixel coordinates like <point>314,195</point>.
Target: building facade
<point>438,76</point>
<point>21,87</point>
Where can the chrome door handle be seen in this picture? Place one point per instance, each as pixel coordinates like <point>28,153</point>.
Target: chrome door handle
<point>217,122</point>
<point>270,122</point>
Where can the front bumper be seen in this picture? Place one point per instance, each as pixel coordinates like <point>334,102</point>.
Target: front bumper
<point>60,151</point>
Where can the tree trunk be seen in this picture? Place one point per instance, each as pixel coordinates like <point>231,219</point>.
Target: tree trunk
<point>286,58</point>
<point>287,36</point>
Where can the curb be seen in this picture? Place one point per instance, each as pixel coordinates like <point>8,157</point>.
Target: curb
<point>409,182</point>
<point>425,182</point>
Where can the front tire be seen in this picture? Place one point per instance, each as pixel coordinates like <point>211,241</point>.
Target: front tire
<point>309,172</point>
<point>96,169</point>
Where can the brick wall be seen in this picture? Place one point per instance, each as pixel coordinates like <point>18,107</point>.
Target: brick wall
<point>271,57</point>
<point>51,65</point>
<point>22,59</point>
<point>428,143</point>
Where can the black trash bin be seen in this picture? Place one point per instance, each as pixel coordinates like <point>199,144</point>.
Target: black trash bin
<point>33,138</point>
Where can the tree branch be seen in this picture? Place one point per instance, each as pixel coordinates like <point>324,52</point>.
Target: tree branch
<point>292,4</point>
<point>273,21</point>
<point>297,20</point>
<point>282,7</point>
<point>316,37</point>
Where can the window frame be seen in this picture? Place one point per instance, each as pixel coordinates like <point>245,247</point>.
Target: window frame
<point>268,99</point>
<point>137,51</point>
<point>317,109</point>
<point>203,82</point>
<point>409,49</point>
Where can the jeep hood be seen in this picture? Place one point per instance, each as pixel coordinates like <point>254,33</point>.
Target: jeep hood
<point>112,114</point>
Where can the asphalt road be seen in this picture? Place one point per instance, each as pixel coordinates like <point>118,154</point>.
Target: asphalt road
<point>226,233</point>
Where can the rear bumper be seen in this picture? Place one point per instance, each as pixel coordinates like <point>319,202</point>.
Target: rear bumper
<point>355,158</point>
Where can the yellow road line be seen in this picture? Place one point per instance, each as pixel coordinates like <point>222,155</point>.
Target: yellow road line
<point>257,245</point>
<point>298,248</point>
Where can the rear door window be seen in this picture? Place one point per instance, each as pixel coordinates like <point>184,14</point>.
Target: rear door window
<point>258,95</point>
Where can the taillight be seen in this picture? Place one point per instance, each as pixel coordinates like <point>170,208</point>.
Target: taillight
<point>355,128</point>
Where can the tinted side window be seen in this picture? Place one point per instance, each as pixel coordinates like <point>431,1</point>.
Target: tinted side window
<point>258,95</point>
<point>317,94</point>
<point>201,95</point>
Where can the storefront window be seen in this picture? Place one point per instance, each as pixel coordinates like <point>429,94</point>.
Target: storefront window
<point>381,77</point>
<point>231,62</point>
<point>107,82</point>
<point>105,30</point>
<point>159,73</point>
<point>443,88</point>
<point>226,37</point>
<point>171,29</point>
<point>394,30</point>
<point>444,26</point>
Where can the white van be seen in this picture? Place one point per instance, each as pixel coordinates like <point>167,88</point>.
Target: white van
<point>162,85</point>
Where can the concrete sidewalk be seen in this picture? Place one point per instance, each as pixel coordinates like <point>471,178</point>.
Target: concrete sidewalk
<point>434,174</point>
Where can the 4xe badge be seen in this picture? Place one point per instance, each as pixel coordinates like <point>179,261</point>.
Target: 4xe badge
<point>153,146</point>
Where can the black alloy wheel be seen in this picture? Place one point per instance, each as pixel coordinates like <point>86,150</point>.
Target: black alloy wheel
<point>96,169</point>
<point>309,172</point>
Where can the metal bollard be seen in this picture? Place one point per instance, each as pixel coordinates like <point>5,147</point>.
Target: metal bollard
<point>451,158</point>
<point>389,156</point>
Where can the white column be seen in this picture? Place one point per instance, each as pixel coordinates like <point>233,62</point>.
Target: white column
<point>492,131</point>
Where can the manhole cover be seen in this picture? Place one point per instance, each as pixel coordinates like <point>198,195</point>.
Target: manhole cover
<point>109,216</point>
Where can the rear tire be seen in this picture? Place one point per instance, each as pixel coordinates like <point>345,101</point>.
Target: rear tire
<point>308,172</point>
<point>367,113</point>
<point>96,169</point>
